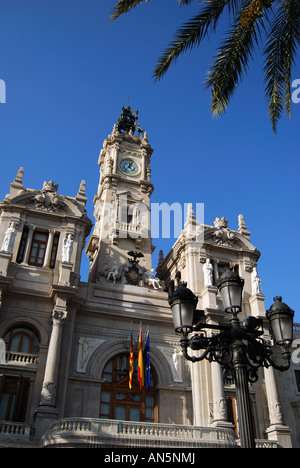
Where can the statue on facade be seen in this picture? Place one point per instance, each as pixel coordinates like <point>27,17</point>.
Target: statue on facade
<point>67,248</point>
<point>176,358</point>
<point>113,273</point>
<point>256,282</point>
<point>9,238</point>
<point>152,280</point>
<point>208,273</point>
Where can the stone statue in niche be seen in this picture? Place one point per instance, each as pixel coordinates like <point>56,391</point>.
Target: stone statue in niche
<point>67,248</point>
<point>208,273</point>
<point>256,282</point>
<point>176,357</point>
<point>9,238</point>
<point>86,347</point>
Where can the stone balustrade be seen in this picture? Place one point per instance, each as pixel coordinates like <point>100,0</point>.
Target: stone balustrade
<point>14,357</point>
<point>86,432</point>
<point>15,431</point>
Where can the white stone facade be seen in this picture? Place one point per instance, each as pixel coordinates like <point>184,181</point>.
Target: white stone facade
<point>80,327</point>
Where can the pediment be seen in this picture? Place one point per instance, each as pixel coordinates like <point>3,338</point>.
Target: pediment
<point>48,202</point>
<point>225,237</point>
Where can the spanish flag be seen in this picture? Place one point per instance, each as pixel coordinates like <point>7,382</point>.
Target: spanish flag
<point>131,363</point>
<point>141,376</point>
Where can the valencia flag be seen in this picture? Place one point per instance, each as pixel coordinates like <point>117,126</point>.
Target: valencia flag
<point>131,362</point>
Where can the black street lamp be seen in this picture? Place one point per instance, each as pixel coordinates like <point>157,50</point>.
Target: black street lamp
<point>238,348</point>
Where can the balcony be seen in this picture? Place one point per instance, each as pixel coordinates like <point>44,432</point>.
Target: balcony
<point>23,359</point>
<point>85,432</point>
<point>14,431</point>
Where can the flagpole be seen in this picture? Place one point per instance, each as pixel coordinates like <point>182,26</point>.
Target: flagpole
<point>141,377</point>
<point>146,356</point>
<point>131,359</point>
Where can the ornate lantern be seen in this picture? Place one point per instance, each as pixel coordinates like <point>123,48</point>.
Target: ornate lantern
<point>280,317</point>
<point>183,304</point>
<point>231,286</point>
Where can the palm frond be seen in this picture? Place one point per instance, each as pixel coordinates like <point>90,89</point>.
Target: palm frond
<point>231,62</point>
<point>280,53</point>
<point>185,2</point>
<point>123,6</point>
<point>191,34</point>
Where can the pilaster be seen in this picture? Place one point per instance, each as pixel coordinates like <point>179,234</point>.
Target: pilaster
<point>219,399</point>
<point>209,297</point>
<point>257,305</point>
<point>277,430</point>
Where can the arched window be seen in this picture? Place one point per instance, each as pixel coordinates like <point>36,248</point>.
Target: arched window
<point>118,401</point>
<point>22,340</point>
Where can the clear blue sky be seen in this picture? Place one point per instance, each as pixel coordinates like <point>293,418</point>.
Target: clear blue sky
<point>68,72</point>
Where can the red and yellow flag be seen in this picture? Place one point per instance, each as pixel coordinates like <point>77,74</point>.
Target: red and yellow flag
<point>131,362</point>
<point>141,373</point>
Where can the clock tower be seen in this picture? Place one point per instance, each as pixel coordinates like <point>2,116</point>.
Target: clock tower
<point>121,240</point>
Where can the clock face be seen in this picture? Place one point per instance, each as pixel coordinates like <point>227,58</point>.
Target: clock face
<point>129,167</point>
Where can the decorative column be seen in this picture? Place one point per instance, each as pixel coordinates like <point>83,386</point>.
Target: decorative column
<point>144,156</point>
<point>28,244</point>
<point>191,254</point>
<point>196,394</point>
<point>219,400</point>
<point>277,430</point>
<point>49,248</point>
<point>48,393</point>
<point>47,411</point>
<point>116,149</point>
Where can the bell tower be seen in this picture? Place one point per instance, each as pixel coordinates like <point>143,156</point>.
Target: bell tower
<point>122,202</point>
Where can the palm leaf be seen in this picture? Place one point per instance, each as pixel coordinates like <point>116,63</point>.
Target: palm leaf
<point>185,2</point>
<point>191,34</point>
<point>232,62</point>
<point>249,18</point>
<point>123,6</point>
<point>280,52</point>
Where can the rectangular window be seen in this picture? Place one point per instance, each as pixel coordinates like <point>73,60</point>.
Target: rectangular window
<point>134,414</point>
<point>121,412</point>
<point>105,405</point>
<point>38,248</point>
<point>21,252</point>
<point>149,408</point>
<point>13,398</point>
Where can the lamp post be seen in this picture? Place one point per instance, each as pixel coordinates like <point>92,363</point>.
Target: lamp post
<point>238,348</point>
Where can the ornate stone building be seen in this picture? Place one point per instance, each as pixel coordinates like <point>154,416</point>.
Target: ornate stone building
<point>64,357</point>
